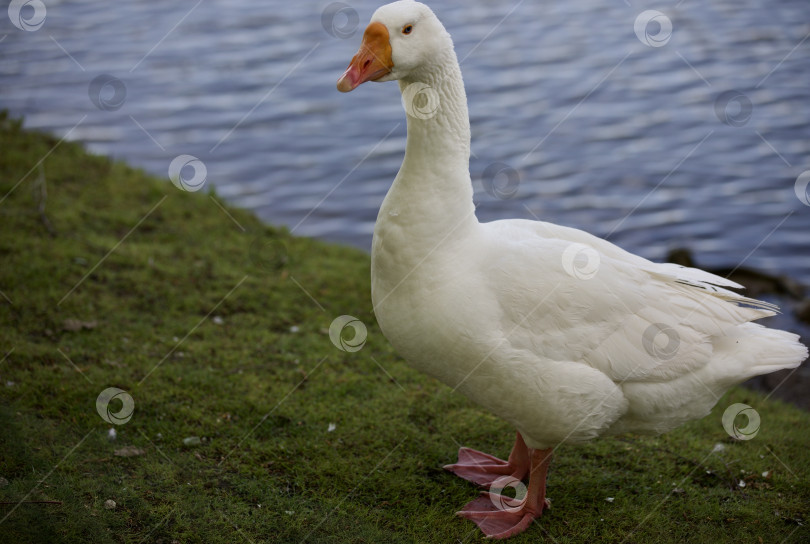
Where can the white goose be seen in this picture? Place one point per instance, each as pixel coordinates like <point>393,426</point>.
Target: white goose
<point>562,334</point>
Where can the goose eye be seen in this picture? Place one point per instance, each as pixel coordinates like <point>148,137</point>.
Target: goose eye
<point>407,29</point>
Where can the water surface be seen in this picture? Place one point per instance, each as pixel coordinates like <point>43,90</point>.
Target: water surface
<point>606,133</point>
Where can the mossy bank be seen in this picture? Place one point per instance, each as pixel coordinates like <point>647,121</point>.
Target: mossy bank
<point>250,425</point>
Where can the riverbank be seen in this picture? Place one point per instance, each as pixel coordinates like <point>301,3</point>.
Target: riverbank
<point>249,424</point>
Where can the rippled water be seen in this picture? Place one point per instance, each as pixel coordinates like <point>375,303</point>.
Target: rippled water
<point>606,133</point>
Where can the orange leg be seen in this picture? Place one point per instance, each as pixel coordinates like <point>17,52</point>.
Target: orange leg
<point>495,514</point>
<point>484,469</point>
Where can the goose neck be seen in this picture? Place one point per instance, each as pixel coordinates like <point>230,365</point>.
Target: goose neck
<point>437,117</point>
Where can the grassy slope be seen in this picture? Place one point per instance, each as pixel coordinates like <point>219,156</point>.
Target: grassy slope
<point>262,397</point>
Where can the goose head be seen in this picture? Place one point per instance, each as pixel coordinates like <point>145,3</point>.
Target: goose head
<point>401,39</point>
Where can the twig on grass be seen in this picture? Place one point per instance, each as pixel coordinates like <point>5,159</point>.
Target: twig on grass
<point>40,184</point>
<point>31,502</point>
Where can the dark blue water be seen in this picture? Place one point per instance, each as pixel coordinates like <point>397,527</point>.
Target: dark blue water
<point>632,142</point>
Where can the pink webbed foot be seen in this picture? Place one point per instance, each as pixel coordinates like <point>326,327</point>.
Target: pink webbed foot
<point>484,469</point>
<point>499,516</point>
<point>478,467</point>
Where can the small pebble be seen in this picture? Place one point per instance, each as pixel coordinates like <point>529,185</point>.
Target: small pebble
<point>609,499</point>
<point>331,427</point>
<point>111,434</point>
<point>109,504</point>
<point>742,483</point>
<point>295,328</point>
<point>217,320</point>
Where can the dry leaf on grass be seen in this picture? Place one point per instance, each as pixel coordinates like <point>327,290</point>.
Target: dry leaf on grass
<point>129,451</point>
<point>77,324</point>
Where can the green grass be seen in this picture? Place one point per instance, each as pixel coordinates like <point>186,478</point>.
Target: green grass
<point>222,333</point>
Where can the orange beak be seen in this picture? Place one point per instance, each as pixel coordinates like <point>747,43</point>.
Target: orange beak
<point>372,61</point>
